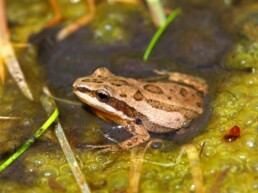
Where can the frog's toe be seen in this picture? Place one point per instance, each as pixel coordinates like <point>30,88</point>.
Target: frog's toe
<point>109,148</point>
<point>102,148</point>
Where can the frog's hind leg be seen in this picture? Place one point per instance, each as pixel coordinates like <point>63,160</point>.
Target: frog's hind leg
<point>197,82</point>
<point>140,135</point>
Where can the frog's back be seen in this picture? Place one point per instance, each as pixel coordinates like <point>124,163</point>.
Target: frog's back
<point>173,95</point>
<point>168,105</point>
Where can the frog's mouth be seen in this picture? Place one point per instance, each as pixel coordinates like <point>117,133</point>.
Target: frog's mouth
<point>107,116</point>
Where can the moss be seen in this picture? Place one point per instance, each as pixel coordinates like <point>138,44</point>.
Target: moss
<point>112,22</point>
<point>27,21</point>
<point>243,55</point>
<point>223,164</point>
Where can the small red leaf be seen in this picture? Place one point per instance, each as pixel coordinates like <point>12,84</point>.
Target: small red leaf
<point>233,134</point>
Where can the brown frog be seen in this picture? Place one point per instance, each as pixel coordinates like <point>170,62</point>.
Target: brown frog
<point>141,106</point>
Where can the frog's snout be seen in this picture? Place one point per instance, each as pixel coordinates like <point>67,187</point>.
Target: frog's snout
<point>75,86</point>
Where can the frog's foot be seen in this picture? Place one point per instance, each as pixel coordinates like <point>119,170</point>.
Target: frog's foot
<point>104,148</point>
<point>140,135</point>
<point>197,82</point>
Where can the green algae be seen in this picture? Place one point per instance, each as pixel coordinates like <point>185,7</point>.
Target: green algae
<point>243,55</point>
<point>112,21</point>
<point>37,14</point>
<point>245,19</point>
<point>223,164</point>
<point>27,22</point>
<point>15,105</point>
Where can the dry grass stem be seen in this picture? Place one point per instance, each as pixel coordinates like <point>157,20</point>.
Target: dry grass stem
<point>2,71</point>
<point>9,118</point>
<point>137,158</point>
<point>196,171</point>
<point>137,154</point>
<point>57,13</point>
<point>124,1</point>
<point>3,26</point>
<point>48,105</point>
<point>157,12</point>
<point>66,101</point>
<point>21,45</point>
<point>170,164</point>
<point>8,57</point>
<point>79,23</point>
<point>77,172</point>
<point>13,66</point>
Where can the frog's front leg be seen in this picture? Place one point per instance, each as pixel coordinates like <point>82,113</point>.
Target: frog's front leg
<point>197,82</point>
<point>140,135</point>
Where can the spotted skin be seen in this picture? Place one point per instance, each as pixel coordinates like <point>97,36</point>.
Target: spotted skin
<point>140,106</point>
<point>153,88</point>
<point>138,96</point>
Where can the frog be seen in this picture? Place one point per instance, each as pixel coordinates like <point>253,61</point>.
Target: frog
<point>142,106</point>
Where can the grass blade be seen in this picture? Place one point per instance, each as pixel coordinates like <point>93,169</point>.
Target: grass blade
<point>157,35</point>
<point>28,143</point>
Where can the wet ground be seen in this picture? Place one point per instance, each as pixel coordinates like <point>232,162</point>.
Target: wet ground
<point>211,40</point>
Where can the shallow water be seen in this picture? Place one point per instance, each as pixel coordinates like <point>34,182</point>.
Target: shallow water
<point>197,43</point>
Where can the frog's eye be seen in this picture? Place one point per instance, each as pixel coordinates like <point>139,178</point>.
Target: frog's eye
<point>102,96</point>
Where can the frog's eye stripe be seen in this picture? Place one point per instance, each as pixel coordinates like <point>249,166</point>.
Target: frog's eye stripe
<point>82,89</point>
